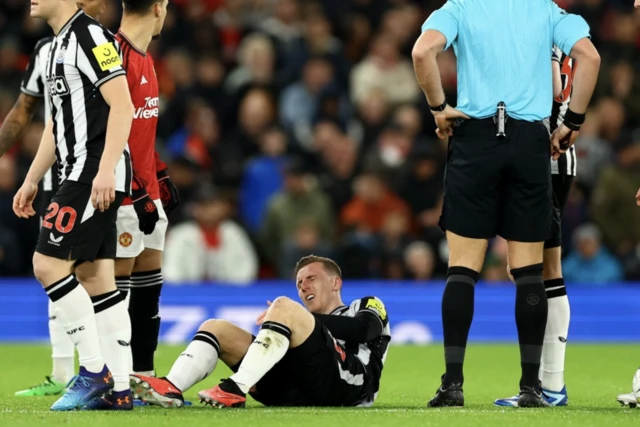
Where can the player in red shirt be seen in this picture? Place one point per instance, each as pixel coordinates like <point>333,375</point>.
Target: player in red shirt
<point>142,220</point>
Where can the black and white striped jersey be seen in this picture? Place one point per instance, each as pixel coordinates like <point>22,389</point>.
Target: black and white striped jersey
<point>371,354</point>
<point>34,84</point>
<point>82,57</point>
<point>566,164</point>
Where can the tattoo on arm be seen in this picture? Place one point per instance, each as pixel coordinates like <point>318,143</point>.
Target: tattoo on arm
<point>16,121</point>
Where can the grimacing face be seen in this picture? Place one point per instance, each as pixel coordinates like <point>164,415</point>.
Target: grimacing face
<point>316,287</point>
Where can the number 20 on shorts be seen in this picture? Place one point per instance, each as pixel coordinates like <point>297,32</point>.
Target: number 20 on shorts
<point>66,213</point>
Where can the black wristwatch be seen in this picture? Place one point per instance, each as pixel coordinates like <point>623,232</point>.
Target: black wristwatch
<point>440,107</point>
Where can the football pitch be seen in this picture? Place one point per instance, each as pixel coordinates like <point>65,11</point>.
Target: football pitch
<point>596,373</point>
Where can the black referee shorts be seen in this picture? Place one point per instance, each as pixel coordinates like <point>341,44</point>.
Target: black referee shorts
<point>498,186</point>
<point>561,188</point>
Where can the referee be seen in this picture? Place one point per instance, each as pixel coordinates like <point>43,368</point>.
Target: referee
<point>497,179</point>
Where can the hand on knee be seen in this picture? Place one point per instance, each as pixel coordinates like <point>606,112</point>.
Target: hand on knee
<point>283,310</point>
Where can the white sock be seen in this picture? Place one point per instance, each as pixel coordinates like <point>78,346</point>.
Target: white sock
<point>73,307</point>
<point>62,348</point>
<point>269,348</point>
<point>114,327</point>
<point>146,373</point>
<point>196,362</point>
<point>555,336</point>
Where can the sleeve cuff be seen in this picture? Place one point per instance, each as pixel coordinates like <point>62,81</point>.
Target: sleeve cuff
<point>31,93</point>
<point>109,77</point>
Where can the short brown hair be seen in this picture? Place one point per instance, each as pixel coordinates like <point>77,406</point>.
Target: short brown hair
<point>329,265</point>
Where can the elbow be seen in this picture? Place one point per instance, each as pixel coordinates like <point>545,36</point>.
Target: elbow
<point>423,51</point>
<point>587,55</point>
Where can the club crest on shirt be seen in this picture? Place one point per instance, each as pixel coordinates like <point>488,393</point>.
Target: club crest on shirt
<point>125,240</point>
<point>61,54</point>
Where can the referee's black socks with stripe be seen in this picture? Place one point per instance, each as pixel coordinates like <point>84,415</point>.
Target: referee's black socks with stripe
<point>531,320</point>
<point>457,315</point>
<point>144,308</point>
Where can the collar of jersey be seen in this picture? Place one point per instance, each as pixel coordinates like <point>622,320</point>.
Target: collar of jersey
<point>339,309</point>
<point>66,26</point>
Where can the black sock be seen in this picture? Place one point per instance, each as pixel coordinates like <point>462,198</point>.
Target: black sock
<point>457,315</point>
<point>531,320</point>
<point>555,288</point>
<point>123,283</point>
<point>144,307</point>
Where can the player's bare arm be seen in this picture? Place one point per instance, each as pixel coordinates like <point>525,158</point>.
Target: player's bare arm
<point>427,47</point>
<point>45,157</point>
<point>584,83</point>
<point>116,94</point>
<point>17,121</point>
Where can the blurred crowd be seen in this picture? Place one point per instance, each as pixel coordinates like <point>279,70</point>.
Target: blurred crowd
<point>295,127</point>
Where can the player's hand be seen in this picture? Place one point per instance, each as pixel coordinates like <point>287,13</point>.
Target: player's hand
<point>561,139</point>
<point>260,319</point>
<point>23,200</point>
<point>168,192</point>
<point>445,119</point>
<point>146,210</point>
<point>638,193</point>
<point>103,192</point>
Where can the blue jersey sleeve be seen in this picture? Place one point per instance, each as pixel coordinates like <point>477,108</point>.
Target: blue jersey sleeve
<point>567,28</point>
<point>445,20</point>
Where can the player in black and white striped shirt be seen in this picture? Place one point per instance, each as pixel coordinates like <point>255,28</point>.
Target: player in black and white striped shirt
<point>91,116</point>
<point>563,171</point>
<point>322,354</point>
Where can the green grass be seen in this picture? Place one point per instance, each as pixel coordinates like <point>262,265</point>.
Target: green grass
<point>596,373</point>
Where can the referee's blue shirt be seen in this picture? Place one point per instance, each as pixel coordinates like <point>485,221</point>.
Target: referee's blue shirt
<point>504,52</point>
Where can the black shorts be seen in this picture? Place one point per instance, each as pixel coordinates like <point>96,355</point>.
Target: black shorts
<point>67,234</point>
<point>498,186</point>
<point>309,375</point>
<point>46,201</point>
<point>561,188</point>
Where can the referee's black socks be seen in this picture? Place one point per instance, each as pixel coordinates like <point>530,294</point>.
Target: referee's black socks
<point>531,320</point>
<point>457,315</point>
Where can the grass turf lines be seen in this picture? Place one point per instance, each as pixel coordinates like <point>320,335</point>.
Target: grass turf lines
<point>596,373</point>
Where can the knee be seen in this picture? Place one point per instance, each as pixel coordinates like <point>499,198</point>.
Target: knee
<point>48,270</point>
<point>216,327</point>
<point>286,311</point>
<point>552,270</point>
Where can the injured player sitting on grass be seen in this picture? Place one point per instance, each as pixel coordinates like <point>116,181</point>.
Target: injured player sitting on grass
<point>327,354</point>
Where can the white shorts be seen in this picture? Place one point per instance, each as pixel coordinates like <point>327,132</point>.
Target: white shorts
<point>132,241</point>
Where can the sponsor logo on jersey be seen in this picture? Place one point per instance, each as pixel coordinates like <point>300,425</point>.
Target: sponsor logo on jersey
<point>377,306</point>
<point>125,240</point>
<point>107,56</point>
<point>143,81</point>
<point>149,110</point>
<point>58,86</point>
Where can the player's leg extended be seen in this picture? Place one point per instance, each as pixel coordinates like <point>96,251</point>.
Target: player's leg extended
<point>466,256</point>
<point>525,260</point>
<point>287,324</point>
<point>557,329</point>
<point>144,309</point>
<point>216,339</point>
<point>114,329</point>
<point>75,311</point>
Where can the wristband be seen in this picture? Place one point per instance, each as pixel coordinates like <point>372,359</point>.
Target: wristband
<point>440,107</point>
<point>573,120</point>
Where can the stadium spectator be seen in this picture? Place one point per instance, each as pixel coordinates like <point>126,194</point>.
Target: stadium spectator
<point>299,202</point>
<point>211,246</point>
<point>224,68</point>
<point>591,263</point>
